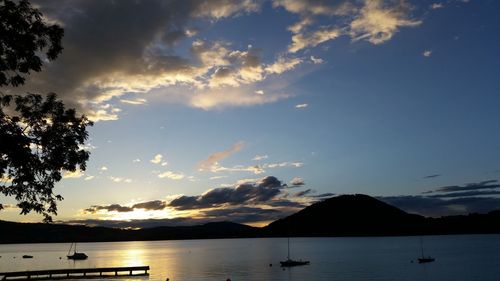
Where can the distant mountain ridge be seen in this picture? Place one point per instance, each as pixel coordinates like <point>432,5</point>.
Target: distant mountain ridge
<point>345,215</point>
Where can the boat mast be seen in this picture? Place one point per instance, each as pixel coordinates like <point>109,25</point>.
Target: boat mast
<point>288,248</point>
<point>422,246</point>
<point>70,247</point>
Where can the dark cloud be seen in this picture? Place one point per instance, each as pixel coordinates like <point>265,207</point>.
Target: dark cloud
<point>304,192</point>
<point>431,176</point>
<point>151,205</point>
<point>244,214</point>
<point>108,36</point>
<point>323,195</point>
<point>436,207</point>
<point>105,40</point>
<point>109,208</point>
<point>286,203</point>
<point>489,184</point>
<point>185,202</point>
<point>246,193</point>
<point>465,194</point>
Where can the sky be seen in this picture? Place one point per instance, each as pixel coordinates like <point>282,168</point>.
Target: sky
<point>251,110</point>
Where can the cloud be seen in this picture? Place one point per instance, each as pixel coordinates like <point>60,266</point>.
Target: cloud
<point>109,53</point>
<point>120,179</point>
<point>304,192</point>
<point>427,53</point>
<point>87,147</point>
<point>377,23</point>
<point>243,95</point>
<point>297,181</point>
<point>431,176</point>
<point>282,64</point>
<point>488,184</point>
<point>260,157</point>
<point>224,8</point>
<point>316,7</point>
<point>89,178</point>
<point>287,203</point>
<point>243,214</point>
<point>435,6</point>
<point>151,205</point>
<point>217,177</point>
<point>111,56</point>
<point>157,159</point>
<point>137,101</point>
<point>373,20</point>
<point>9,207</point>
<point>301,41</point>
<point>137,160</point>
<point>256,169</point>
<point>108,208</point>
<point>171,175</point>
<point>301,25</point>
<point>104,168</point>
<point>283,164</point>
<point>316,60</point>
<point>323,195</point>
<point>302,105</point>
<point>73,175</point>
<point>214,158</point>
<point>260,191</point>
<point>465,194</point>
<point>436,207</point>
<point>5,179</point>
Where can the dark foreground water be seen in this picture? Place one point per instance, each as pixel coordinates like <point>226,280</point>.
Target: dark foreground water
<point>458,258</point>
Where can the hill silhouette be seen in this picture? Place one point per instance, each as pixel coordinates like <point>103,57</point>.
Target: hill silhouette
<point>345,215</point>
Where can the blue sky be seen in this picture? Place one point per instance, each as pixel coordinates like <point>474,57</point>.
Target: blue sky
<point>386,98</point>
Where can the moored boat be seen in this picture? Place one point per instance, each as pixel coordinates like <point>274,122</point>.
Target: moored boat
<point>76,255</point>
<point>289,262</point>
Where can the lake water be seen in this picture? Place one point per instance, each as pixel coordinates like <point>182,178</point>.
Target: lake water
<point>458,258</point>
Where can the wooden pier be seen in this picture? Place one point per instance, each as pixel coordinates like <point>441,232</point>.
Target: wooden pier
<point>75,273</point>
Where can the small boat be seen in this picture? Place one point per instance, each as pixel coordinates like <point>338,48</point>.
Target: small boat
<point>76,255</point>
<point>424,259</point>
<point>27,257</point>
<point>289,262</point>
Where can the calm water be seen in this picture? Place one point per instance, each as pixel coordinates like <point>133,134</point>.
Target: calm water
<point>458,258</point>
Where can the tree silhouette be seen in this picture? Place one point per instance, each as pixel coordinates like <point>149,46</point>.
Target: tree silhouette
<point>39,138</point>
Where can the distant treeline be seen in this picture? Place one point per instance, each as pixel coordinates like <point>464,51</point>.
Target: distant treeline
<point>346,215</point>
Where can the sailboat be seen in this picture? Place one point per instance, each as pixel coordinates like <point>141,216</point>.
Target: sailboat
<point>424,259</point>
<point>289,262</point>
<point>76,255</point>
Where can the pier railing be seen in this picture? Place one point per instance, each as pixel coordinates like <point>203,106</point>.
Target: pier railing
<point>74,273</point>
